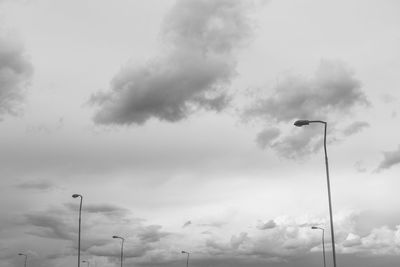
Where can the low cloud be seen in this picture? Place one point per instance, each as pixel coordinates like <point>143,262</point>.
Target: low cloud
<point>39,185</point>
<point>266,136</point>
<point>390,158</point>
<point>268,225</point>
<point>50,225</point>
<point>104,209</point>
<point>186,224</point>
<point>355,127</point>
<point>352,240</point>
<point>333,90</point>
<point>15,74</point>
<point>152,234</point>
<point>195,71</point>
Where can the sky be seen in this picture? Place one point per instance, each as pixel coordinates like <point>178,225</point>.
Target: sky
<point>174,120</point>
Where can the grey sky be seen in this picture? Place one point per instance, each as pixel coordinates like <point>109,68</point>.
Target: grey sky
<point>174,120</point>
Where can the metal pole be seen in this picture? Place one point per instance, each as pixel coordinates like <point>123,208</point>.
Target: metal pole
<point>122,248</point>
<point>323,245</point>
<point>122,251</point>
<point>26,257</point>
<point>79,234</point>
<point>187,260</point>
<point>329,199</point>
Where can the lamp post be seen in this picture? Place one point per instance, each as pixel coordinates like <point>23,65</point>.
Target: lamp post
<point>187,259</point>
<point>301,123</point>
<point>88,264</point>
<point>122,247</point>
<point>26,257</point>
<point>323,241</point>
<point>79,233</point>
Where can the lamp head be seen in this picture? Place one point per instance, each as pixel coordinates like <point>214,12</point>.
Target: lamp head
<point>76,195</point>
<point>300,123</point>
<point>184,251</point>
<point>114,236</point>
<point>84,261</point>
<point>314,227</point>
<point>20,254</point>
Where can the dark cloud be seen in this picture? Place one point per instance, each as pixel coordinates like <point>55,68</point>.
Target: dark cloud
<point>266,136</point>
<point>114,252</point>
<point>332,91</point>
<point>390,158</point>
<point>40,185</point>
<point>195,71</point>
<point>50,225</point>
<point>355,127</point>
<point>237,241</point>
<point>232,247</point>
<point>186,224</point>
<point>152,234</point>
<point>104,209</point>
<point>15,74</point>
<point>300,142</point>
<point>268,225</point>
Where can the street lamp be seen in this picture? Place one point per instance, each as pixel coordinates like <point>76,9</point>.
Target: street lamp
<point>122,247</point>
<point>79,233</point>
<point>323,241</point>
<point>86,262</point>
<point>301,123</point>
<point>187,259</point>
<point>26,257</point>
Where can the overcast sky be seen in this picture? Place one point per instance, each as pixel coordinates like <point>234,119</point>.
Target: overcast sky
<point>174,120</point>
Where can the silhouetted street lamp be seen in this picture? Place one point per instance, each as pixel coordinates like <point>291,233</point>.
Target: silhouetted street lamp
<point>87,263</point>
<point>79,233</point>
<point>122,247</point>
<point>187,259</point>
<point>300,123</point>
<point>26,257</point>
<point>323,241</point>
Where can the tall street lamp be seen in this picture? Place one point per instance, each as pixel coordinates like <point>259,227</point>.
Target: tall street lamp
<point>187,259</point>
<point>301,123</point>
<point>88,264</point>
<point>26,257</point>
<point>323,241</point>
<point>122,247</point>
<point>79,233</point>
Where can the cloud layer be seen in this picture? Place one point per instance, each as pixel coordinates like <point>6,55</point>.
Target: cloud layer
<point>15,73</point>
<point>194,72</point>
<point>333,90</point>
<point>390,158</point>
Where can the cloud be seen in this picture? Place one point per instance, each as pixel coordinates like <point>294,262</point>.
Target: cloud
<point>104,209</point>
<point>15,73</point>
<point>50,225</point>
<point>390,158</point>
<point>186,224</point>
<point>352,240</point>
<point>40,185</point>
<point>152,234</point>
<point>332,91</point>
<point>355,127</point>
<point>195,71</point>
<point>266,136</point>
<point>268,225</point>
